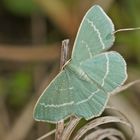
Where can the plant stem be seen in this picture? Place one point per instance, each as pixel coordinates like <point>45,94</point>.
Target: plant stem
<point>64,57</point>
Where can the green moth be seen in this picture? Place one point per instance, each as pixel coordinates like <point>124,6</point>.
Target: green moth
<point>83,86</point>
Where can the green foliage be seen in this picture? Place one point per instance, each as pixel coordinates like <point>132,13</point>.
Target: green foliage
<point>20,7</point>
<point>19,88</point>
<point>2,86</point>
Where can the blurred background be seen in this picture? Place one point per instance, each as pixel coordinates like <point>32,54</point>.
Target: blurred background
<point>31,32</point>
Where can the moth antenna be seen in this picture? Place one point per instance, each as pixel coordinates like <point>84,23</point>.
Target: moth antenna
<point>126,29</point>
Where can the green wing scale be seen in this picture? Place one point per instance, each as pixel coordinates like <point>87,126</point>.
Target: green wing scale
<point>67,95</point>
<point>107,69</point>
<point>55,103</point>
<point>98,29</point>
<point>83,86</point>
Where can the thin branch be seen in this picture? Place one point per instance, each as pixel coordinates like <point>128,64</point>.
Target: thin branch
<point>64,56</point>
<point>70,127</point>
<point>47,135</point>
<point>126,29</point>
<point>64,52</point>
<point>122,88</point>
